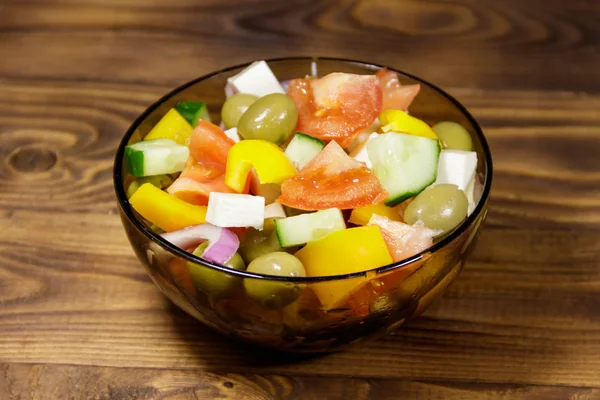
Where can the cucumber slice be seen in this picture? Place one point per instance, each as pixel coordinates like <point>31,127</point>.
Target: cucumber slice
<point>155,157</point>
<point>301,229</point>
<point>193,111</point>
<point>404,164</point>
<point>302,149</point>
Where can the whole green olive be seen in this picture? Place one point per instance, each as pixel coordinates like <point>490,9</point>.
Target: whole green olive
<point>256,243</point>
<point>272,117</point>
<point>453,136</point>
<point>441,206</point>
<point>214,282</point>
<point>234,107</point>
<point>275,294</point>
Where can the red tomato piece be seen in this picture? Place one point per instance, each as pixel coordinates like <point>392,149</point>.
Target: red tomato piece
<point>360,299</point>
<point>205,169</point>
<point>396,96</point>
<point>332,179</point>
<point>336,107</point>
<point>403,240</point>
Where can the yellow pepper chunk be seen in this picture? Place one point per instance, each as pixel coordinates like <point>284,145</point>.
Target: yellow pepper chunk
<point>165,211</point>
<point>343,252</point>
<point>172,126</point>
<point>269,161</point>
<point>399,121</point>
<point>362,215</point>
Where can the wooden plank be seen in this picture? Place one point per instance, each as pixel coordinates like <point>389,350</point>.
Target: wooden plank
<point>485,43</point>
<point>33,381</point>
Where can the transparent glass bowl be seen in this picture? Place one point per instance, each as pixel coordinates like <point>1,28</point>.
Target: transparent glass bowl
<point>381,300</point>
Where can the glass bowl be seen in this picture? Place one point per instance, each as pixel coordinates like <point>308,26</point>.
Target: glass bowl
<point>380,300</point>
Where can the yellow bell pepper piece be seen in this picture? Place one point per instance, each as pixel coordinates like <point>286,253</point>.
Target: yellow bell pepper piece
<point>165,211</point>
<point>362,215</point>
<point>399,121</point>
<point>269,161</point>
<point>343,252</point>
<point>172,126</point>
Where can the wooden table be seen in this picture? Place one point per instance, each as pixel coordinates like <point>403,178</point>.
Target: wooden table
<point>79,318</point>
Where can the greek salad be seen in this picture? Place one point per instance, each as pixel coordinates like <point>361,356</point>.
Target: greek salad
<point>315,176</point>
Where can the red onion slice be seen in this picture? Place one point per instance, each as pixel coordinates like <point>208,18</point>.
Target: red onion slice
<point>223,243</point>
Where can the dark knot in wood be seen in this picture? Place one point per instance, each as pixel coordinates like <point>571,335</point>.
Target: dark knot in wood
<point>33,159</point>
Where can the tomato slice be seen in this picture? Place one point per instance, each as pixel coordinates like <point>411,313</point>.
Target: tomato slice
<point>205,168</point>
<point>337,107</point>
<point>332,179</point>
<point>403,240</point>
<point>396,96</point>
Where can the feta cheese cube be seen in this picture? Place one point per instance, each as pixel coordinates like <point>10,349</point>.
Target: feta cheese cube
<point>456,167</point>
<point>233,134</point>
<point>230,210</point>
<point>256,79</point>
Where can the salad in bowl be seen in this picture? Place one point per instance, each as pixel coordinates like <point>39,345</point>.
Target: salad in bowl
<point>304,212</point>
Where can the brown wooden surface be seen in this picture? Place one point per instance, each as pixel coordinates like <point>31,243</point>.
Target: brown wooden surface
<point>79,319</point>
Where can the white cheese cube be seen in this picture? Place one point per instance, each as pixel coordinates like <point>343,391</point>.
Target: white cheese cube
<point>360,152</point>
<point>456,167</point>
<point>230,210</point>
<point>256,79</point>
<point>233,134</point>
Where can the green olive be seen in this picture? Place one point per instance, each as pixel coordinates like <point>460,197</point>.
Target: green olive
<point>258,243</point>
<point>214,282</point>
<point>274,294</point>
<point>160,181</point>
<point>234,107</point>
<point>453,136</point>
<point>272,117</point>
<point>381,304</point>
<point>441,206</point>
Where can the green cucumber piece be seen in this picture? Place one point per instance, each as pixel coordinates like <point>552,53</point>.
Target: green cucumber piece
<point>302,149</point>
<point>404,164</point>
<point>293,231</point>
<point>193,111</point>
<point>155,157</point>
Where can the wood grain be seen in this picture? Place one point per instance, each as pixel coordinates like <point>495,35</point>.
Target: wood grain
<point>59,382</point>
<point>479,43</point>
<point>80,319</point>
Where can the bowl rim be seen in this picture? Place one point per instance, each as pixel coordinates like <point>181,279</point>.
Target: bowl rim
<point>127,210</point>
